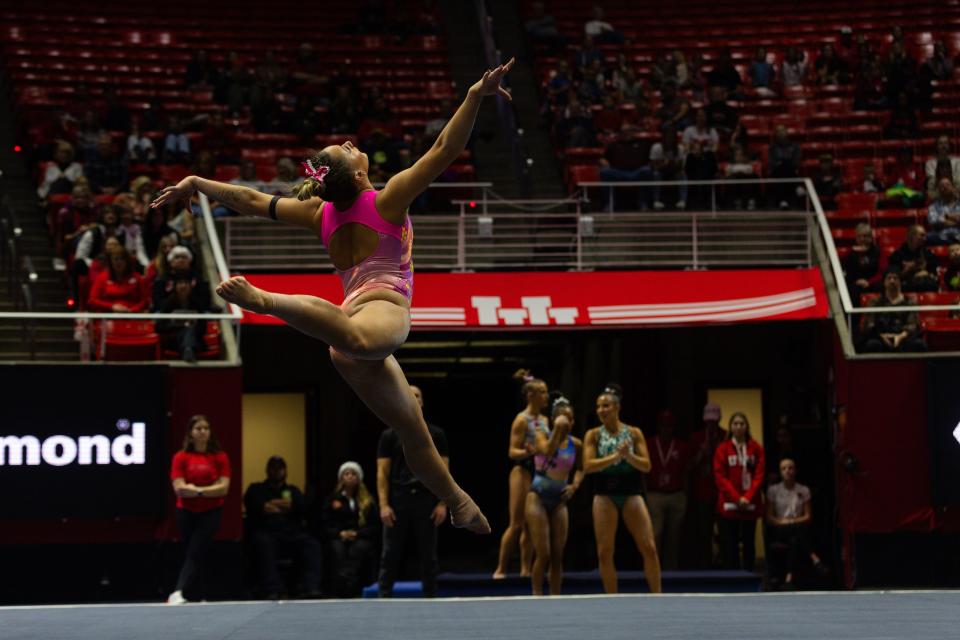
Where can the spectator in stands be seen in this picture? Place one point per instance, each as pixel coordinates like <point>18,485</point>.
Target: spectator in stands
<point>700,164</point>
<point>350,521</point>
<point>129,231</point>
<point>762,74</point>
<point>942,156</point>
<point>903,122</point>
<point>943,215</point>
<point>541,27</point>
<point>377,115</point>
<point>601,30</point>
<point>592,85</point>
<point>435,125</point>
<point>158,267</point>
<point>269,78</point>
<point>740,168</point>
<point>61,173</point>
<point>869,93</point>
<point>916,265</point>
<point>200,474</point>
<point>871,182</point>
<point>864,265</point>
<point>725,75</point>
<point>674,111</point>
<point>828,180</point>
<point>608,120</point>
<point>940,64</point>
<point>343,113</point>
<point>180,263</point>
<point>663,71</point>
<point>587,55</point>
<point>76,217</point>
<point>900,71</point>
<point>892,331</point>
<point>575,128</point>
<point>219,139</point>
<point>625,160</point>
<point>830,68</point>
<point>784,158</point>
<point>234,83</point>
<point>703,493</point>
<point>140,149</point>
<point>275,513</point>
<point>702,133</point>
<point>739,471</point>
<point>185,336</point>
<point>951,278</point>
<point>783,447</point>
<point>248,176</point>
<point>720,114</point>
<point>90,245</point>
<point>793,70</point>
<point>120,288</point>
<point>406,506</point>
<point>288,176</point>
<point>88,136</point>
<point>201,72</point>
<point>628,86</point>
<point>558,87</point>
<point>908,183</point>
<point>176,144</point>
<point>106,171</point>
<point>789,513</point>
<point>670,460</point>
<point>667,161</point>
<point>101,263</point>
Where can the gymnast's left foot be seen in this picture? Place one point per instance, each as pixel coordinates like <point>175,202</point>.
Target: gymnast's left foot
<point>465,514</point>
<point>240,292</point>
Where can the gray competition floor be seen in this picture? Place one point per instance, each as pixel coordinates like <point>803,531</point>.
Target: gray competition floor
<point>824,616</point>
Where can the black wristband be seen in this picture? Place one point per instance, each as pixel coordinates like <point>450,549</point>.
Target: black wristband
<point>273,207</point>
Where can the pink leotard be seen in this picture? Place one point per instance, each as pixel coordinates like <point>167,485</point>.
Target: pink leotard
<point>390,266</point>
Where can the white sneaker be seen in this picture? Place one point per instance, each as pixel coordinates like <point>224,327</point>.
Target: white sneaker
<point>657,205</point>
<point>681,204</point>
<point>784,205</point>
<point>59,264</point>
<point>176,598</point>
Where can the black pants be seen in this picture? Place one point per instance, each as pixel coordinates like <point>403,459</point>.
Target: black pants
<point>197,530</point>
<point>267,545</point>
<point>797,541</point>
<point>732,534</point>
<point>352,564</point>
<point>413,517</point>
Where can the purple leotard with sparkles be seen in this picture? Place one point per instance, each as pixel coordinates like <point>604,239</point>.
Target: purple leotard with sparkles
<point>390,266</point>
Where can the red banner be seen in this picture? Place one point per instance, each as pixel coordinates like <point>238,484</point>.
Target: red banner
<point>538,300</point>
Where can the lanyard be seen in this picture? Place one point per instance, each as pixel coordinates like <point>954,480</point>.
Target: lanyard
<point>665,460</point>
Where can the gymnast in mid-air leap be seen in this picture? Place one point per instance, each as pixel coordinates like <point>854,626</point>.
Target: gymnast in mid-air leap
<point>369,238</point>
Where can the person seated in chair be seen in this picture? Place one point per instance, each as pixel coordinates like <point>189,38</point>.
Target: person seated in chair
<point>351,522</point>
<point>789,512</point>
<point>275,523</point>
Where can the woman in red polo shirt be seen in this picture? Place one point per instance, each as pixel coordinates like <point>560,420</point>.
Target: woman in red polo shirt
<point>738,469</point>
<point>201,478</point>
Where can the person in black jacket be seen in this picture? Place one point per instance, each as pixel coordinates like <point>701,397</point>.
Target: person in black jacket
<point>351,524</point>
<point>275,522</point>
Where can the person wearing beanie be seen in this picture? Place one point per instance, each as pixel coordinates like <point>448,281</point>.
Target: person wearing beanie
<point>275,527</point>
<point>407,507</point>
<point>351,528</point>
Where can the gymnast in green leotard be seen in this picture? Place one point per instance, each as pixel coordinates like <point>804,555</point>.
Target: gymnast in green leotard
<point>616,456</point>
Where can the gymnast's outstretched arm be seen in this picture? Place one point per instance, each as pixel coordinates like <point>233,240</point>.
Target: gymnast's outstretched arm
<point>246,201</point>
<point>404,187</point>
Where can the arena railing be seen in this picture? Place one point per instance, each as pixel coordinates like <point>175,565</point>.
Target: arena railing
<point>86,324</point>
<point>613,195</point>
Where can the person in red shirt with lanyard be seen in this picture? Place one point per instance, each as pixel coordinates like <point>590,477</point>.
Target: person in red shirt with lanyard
<point>667,488</point>
<point>200,475</point>
<point>738,468</point>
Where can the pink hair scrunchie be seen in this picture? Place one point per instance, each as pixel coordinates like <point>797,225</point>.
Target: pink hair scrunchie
<point>318,173</point>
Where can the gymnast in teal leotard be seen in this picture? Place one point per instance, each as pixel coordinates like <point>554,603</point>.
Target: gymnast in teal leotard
<point>558,453</point>
<point>615,455</point>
